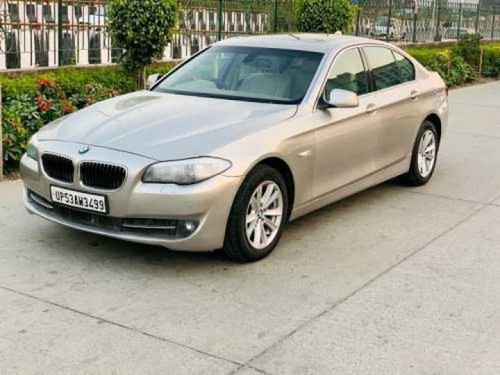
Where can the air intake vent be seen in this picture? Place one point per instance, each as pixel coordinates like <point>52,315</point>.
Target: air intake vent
<point>102,176</point>
<point>58,167</point>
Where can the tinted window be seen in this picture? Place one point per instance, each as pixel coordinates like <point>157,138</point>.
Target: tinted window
<point>348,73</point>
<point>246,73</point>
<point>385,71</point>
<point>406,68</point>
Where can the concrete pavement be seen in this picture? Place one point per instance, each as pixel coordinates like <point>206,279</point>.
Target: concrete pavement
<point>393,280</point>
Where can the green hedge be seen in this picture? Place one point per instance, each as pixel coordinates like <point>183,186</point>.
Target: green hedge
<point>459,64</point>
<point>491,61</point>
<point>73,79</point>
<point>33,99</point>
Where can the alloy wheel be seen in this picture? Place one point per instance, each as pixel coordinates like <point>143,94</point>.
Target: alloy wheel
<point>427,153</point>
<point>264,215</point>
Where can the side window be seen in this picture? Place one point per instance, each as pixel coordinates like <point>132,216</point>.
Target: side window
<point>385,71</point>
<point>406,67</point>
<point>348,73</point>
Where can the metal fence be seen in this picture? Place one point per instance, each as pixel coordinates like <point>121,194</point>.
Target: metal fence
<point>426,20</point>
<point>47,33</point>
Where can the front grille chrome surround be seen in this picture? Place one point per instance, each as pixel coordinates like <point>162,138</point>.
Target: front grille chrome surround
<point>102,176</point>
<point>58,167</point>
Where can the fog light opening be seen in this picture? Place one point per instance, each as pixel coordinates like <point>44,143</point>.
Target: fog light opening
<point>185,228</point>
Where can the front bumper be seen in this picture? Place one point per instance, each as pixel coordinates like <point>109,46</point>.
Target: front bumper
<point>207,203</point>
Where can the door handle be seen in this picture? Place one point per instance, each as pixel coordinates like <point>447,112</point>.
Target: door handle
<point>370,108</point>
<point>414,95</point>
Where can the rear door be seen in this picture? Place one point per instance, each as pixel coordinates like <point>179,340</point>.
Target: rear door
<point>397,93</point>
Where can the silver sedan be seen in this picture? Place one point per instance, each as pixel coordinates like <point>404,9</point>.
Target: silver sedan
<point>245,136</point>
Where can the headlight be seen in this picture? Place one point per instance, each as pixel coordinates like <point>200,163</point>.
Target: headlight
<point>32,151</point>
<point>186,172</point>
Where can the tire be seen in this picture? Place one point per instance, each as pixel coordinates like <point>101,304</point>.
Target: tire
<point>238,245</point>
<point>417,176</point>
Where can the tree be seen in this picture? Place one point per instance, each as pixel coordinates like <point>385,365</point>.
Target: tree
<point>325,16</point>
<point>141,29</point>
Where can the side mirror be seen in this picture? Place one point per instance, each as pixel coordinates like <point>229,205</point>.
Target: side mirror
<point>152,79</point>
<point>342,99</point>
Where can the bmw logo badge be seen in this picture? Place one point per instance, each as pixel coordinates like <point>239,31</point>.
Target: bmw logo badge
<point>84,150</point>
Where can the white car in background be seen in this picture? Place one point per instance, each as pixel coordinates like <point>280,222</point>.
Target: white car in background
<point>380,29</point>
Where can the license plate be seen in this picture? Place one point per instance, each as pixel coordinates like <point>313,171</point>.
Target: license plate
<point>76,199</point>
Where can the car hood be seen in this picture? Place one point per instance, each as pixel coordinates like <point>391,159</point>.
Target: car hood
<point>165,126</point>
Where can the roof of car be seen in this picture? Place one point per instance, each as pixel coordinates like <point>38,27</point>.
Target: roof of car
<point>306,42</point>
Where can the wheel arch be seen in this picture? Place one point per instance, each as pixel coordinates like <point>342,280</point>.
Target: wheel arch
<point>284,169</point>
<point>436,120</point>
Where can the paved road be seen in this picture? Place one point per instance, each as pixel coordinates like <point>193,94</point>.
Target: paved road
<point>392,281</point>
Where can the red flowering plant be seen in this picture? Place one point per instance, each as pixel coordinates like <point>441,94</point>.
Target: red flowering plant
<point>53,102</point>
<point>49,99</point>
<point>93,93</point>
<point>24,114</point>
<point>68,108</point>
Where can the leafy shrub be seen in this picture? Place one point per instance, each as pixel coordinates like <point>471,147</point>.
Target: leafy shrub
<point>425,56</point>
<point>468,47</point>
<point>31,100</point>
<point>142,29</point>
<point>459,72</point>
<point>70,80</point>
<point>20,119</point>
<point>325,16</point>
<point>452,68</point>
<point>491,61</point>
<point>24,114</point>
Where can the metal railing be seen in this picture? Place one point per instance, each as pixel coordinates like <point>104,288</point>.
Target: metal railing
<point>36,33</point>
<point>427,20</point>
<point>48,33</point>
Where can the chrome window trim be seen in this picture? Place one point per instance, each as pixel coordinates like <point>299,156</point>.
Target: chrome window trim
<point>336,55</point>
<point>361,47</point>
<point>392,51</point>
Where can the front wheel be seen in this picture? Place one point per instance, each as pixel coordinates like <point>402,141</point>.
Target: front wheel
<point>424,157</point>
<point>258,215</point>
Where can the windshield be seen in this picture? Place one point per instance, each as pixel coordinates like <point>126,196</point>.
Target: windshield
<point>246,73</point>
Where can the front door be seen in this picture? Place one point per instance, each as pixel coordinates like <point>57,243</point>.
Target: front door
<point>346,138</point>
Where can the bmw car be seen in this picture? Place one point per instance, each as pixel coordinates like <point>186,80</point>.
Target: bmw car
<point>241,138</point>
